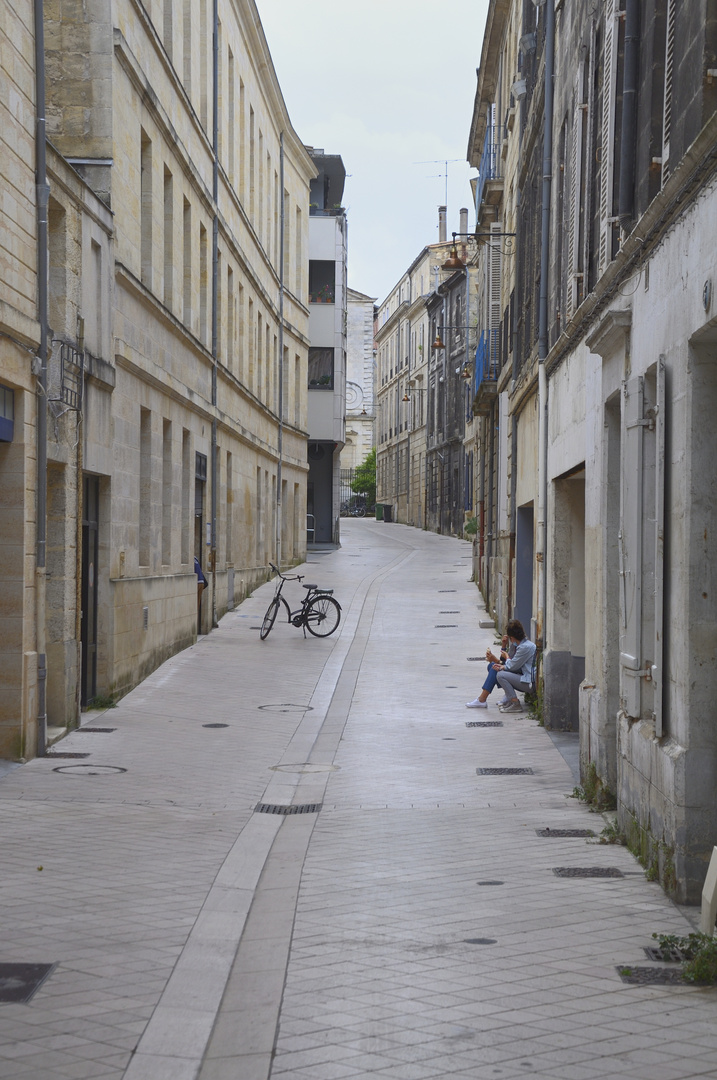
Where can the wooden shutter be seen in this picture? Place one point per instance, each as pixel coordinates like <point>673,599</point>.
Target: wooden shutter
<point>607,147</point>
<point>657,663</point>
<point>630,546</point>
<point>667,104</point>
<point>576,159</point>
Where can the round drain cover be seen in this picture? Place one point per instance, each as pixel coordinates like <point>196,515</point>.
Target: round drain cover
<point>480,941</point>
<point>89,770</point>
<point>490,883</point>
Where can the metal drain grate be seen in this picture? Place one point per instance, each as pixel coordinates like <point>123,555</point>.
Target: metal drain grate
<point>490,883</point>
<point>457,612</point>
<point>98,730</point>
<point>18,982</point>
<point>504,772</point>
<point>215,725</point>
<point>564,832</point>
<point>475,658</point>
<point>64,754</point>
<point>588,871</point>
<point>448,590</point>
<point>648,976</point>
<point>273,808</point>
<point>480,940</point>
<point>666,955</point>
<point>484,723</point>
<point>445,625</point>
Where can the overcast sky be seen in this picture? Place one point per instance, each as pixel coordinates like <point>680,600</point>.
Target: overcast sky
<point>385,84</point>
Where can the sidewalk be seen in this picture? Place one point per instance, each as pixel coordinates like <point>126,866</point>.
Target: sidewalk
<point>411,929</point>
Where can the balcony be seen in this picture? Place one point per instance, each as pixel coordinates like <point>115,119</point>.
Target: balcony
<point>487,370</point>
<point>490,172</point>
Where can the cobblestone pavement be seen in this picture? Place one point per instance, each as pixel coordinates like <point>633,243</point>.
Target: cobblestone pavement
<point>411,929</point>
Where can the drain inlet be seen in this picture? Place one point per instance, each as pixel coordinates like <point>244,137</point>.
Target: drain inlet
<point>274,808</point>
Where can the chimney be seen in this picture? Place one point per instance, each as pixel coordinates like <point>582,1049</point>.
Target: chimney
<point>464,220</point>
<point>442,224</point>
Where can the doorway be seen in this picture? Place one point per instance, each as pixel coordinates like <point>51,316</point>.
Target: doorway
<point>90,553</point>
<point>524,546</point>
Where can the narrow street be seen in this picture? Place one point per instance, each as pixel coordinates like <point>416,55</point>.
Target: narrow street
<point>411,928</point>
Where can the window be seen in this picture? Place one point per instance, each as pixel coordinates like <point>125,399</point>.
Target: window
<point>322,281</point>
<point>7,413</point>
<point>321,369</point>
<point>146,209</point>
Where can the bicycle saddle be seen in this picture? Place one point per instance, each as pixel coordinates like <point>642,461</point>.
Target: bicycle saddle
<point>309,586</point>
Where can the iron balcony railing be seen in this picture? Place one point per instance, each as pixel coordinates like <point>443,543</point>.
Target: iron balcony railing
<point>487,358</point>
<point>491,163</point>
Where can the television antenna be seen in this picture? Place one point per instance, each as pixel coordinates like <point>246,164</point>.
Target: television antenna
<point>441,161</point>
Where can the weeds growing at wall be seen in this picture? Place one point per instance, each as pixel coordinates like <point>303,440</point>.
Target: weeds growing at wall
<point>698,953</point>
<point>594,792</point>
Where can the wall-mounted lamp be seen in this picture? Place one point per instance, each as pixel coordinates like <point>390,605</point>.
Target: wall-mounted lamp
<point>454,261</point>
<point>414,390</point>
<point>439,342</point>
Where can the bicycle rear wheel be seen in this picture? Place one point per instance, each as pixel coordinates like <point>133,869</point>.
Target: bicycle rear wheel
<point>270,618</point>
<point>322,616</point>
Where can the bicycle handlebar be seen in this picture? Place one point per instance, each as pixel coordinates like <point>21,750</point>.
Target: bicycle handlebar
<point>287,577</point>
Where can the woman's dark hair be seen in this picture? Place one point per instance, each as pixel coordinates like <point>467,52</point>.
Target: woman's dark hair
<point>515,630</point>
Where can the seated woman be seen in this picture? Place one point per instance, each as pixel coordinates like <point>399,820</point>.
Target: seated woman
<point>518,671</point>
<point>506,651</point>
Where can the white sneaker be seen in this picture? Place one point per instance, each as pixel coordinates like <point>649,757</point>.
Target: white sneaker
<point>503,701</point>
<point>477,704</point>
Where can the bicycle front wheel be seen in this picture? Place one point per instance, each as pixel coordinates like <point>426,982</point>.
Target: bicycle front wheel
<point>322,616</point>
<point>270,618</point>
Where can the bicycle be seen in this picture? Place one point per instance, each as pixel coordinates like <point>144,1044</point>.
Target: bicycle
<point>319,613</point>
<point>353,509</point>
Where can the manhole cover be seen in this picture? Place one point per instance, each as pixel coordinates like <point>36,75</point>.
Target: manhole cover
<point>480,940</point>
<point>588,871</point>
<point>18,982</point>
<point>490,883</point>
<point>649,976</point>
<point>286,707</point>
<point>484,723</point>
<point>97,730</point>
<point>564,832</point>
<point>65,754</point>
<point>504,772</point>
<point>273,808</point>
<point>215,725</point>
<point>88,770</point>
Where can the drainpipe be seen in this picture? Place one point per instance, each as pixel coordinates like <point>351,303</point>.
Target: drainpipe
<point>629,113</point>
<point>543,330</point>
<point>280,437</point>
<point>42,189</point>
<point>215,259</point>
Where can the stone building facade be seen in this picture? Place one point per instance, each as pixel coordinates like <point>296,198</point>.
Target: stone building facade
<point>327,352</point>
<point>404,363</point>
<point>177,395</point>
<point>360,379</point>
<point>604,385</point>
